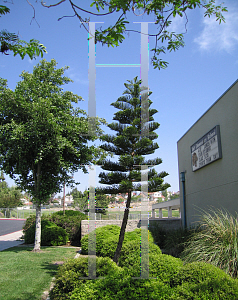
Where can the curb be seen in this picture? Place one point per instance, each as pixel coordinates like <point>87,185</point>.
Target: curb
<point>12,219</point>
<point>11,233</point>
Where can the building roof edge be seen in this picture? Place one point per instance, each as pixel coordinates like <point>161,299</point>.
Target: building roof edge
<point>208,109</point>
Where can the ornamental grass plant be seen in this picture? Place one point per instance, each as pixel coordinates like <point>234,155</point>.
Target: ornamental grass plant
<point>216,243</point>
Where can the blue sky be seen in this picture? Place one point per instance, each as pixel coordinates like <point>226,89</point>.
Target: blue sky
<point>197,75</point>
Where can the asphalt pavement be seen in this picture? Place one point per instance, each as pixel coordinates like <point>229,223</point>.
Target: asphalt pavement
<point>10,233</point>
<point>10,225</point>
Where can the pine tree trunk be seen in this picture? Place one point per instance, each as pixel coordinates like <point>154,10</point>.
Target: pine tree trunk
<point>123,229</point>
<point>38,228</point>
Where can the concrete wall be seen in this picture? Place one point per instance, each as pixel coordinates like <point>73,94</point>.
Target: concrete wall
<point>167,224</point>
<point>215,185</point>
<point>132,224</point>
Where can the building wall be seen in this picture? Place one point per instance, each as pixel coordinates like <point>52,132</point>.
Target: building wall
<point>215,185</point>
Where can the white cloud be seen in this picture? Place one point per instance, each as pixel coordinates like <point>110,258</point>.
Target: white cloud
<point>30,61</point>
<point>221,37</point>
<point>77,77</point>
<point>178,24</point>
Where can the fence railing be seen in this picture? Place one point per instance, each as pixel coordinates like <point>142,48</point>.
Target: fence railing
<point>23,212</point>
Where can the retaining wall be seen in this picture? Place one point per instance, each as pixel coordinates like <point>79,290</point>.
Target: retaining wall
<point>166,223</point>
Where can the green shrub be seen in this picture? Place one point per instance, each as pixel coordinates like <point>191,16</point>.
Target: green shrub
<point>102,234</point>
<point>175,240</point>
<point>131,252</point>
<point>164,266</point>
<point>70,213</point>
<point>70,273</point>
<point>29,228</point>
<point>51,234</point>
<point>132,237</point>
<point>107,239</point>
<point>200,280</point>
<point>108,247</point>
<point>159,233</point>
<point>121,287</point>
<point>71,222</point>
<point>196,281</point>
<point>216,242</point>
<point>160,265</point>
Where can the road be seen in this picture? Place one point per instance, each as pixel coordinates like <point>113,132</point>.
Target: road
<point>9,226</point>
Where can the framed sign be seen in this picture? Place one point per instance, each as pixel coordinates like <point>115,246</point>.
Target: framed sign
<point>207,149</point>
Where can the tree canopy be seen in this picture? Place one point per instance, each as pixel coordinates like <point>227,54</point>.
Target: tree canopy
<point>11,42</point>
<point>43,138</point>
<point>9,196</point>
<point>162,11</point>
<point>41,134</point>
<point>81,201</point>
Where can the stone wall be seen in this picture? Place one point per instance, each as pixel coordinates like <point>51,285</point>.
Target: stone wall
<point>167,224</point>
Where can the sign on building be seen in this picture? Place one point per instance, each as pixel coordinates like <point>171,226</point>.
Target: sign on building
<point>207,149</point>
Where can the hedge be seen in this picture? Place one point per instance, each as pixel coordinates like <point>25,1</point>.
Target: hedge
<point>192,282</point>
<point>51,234</point>
<point>69,274</point>
<point>168,278</point>
<point>71,222</point>
<point>102,234</point>
<point>200,280</point>
<point>121,287</point>
<point>107,239</point>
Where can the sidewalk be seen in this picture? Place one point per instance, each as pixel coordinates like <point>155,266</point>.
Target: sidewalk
<point>11,240</point>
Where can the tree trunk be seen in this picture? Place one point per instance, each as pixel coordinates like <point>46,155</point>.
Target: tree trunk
<point>38,228</point>
<point>123,229</point>
<point>64,201</point>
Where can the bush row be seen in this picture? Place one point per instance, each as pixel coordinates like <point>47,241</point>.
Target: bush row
<point>56,229</point>
<point>51,234</point>
<point>169,277</point>
<point>214,240</point>
<point>71,222</point>
<point>191,281</point>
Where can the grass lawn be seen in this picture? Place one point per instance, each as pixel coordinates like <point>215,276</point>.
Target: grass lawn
<point>25,275</point>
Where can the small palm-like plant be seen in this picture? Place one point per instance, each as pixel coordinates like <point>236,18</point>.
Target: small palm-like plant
<point>216,243</point>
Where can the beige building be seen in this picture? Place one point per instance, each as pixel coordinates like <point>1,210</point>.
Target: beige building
<point>208,160</point>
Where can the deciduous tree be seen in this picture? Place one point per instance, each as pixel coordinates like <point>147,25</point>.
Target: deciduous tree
<point>43,138</point>
<point>11,42</point>
<point>10,197</point>
<point>162,12</point>
<point>81,200</point>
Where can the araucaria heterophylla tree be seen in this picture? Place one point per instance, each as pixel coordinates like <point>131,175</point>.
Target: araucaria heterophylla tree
<point>124,175</point>
<point>43,138</point>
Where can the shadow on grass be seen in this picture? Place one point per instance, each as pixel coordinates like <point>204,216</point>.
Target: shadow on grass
<point>29,248</point>
<point>51,268</point>
<point>27,296</point>
<point>47,264</point>
<point>18,249</point>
